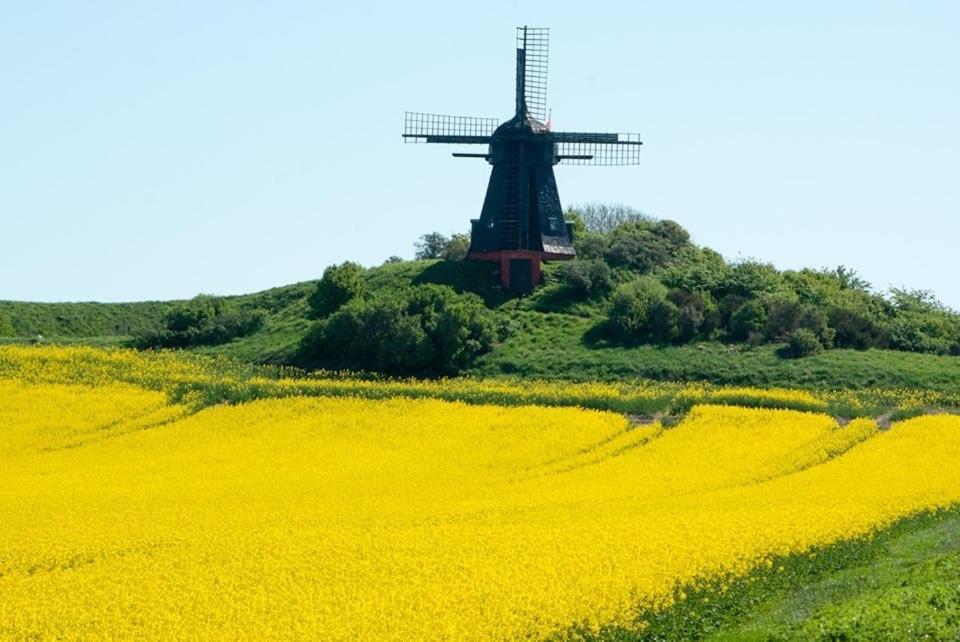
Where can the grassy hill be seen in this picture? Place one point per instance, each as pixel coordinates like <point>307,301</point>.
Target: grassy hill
<point>551,345</point>
<point>104,323</point>
<point>71,320</point>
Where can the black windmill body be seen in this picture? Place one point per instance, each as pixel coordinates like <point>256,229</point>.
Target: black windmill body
<point>521,223</point>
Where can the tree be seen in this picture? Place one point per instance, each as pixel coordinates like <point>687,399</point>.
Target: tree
<point>338,285</point>
<point>605,217</point>
<point>850,280</point>
<point>438,246</point>
<point>457,247</point>
<point>431,246</point>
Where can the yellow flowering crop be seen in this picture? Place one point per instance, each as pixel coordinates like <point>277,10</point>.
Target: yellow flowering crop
<point>123,515</point>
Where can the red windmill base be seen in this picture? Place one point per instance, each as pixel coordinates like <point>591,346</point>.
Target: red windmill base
<point>519,269</point>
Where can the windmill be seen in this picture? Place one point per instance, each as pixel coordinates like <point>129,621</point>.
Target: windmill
<point>521,223</point>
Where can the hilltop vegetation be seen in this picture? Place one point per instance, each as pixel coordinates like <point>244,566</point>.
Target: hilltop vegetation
<point>640,301</point>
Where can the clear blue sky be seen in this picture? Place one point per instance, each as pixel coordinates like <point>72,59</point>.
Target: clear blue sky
<point>159,150</point>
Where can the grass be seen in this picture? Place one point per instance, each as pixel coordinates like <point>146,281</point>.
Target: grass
<point>899,584</point>
<point>72,320</point>
<point>561,346</point>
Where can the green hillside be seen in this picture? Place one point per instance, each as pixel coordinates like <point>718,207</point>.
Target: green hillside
<point>23,319</point>
<point>641,301</point>
<point>551,345</point>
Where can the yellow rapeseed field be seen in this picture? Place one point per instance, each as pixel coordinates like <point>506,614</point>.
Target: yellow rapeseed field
<point>126,515</point>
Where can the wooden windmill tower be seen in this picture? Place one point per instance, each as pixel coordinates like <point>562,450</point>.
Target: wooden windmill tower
<point>521,223</point>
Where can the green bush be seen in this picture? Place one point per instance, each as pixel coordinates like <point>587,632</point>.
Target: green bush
<point>339,284</point>
<point>785,315</point>
<point>590,245</point>
<point>751,279</point>
<point>644,245</point>
<point>640,311</point>
<point>802,342</point>
<point>856,329</point>
<point>698,317</point>
<point>204,320</point>
<point>425,330</point>
<point>585,279</point>
<point>696,269</point>
<point>921,323</point>
<point>815,319</point>
<point>748,319</point>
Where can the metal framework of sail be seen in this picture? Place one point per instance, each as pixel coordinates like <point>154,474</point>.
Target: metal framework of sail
<point>521,222</point>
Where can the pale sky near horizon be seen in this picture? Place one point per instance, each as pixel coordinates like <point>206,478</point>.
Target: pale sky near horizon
<point>160,150</point>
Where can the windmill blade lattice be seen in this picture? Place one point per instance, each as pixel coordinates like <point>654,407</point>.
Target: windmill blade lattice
<point>598,149</point>
<point>438,128</point>
<point>535,43</point>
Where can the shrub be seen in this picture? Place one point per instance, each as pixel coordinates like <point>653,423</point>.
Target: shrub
<point>802,342</point>
<point>204,320</point>
<point>698,317</point>
<point>911,334</point>
<point>586,279</point>
<point>749,318</point>
<point>696,269</point>
<point>590,245</point>
<point>427,329</point>
<point>815,320</point>
<point>856,329</point>
<point>641,311</point>
<point>644,245</point>
<point>339,284</point>
<point>783,316</point>
<point>921,323</point>
<point>751,279</point>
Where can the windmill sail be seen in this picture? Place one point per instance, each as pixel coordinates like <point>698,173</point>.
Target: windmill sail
<point>597,149</point>
<point>533,52</point>
<point>438,128</point>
